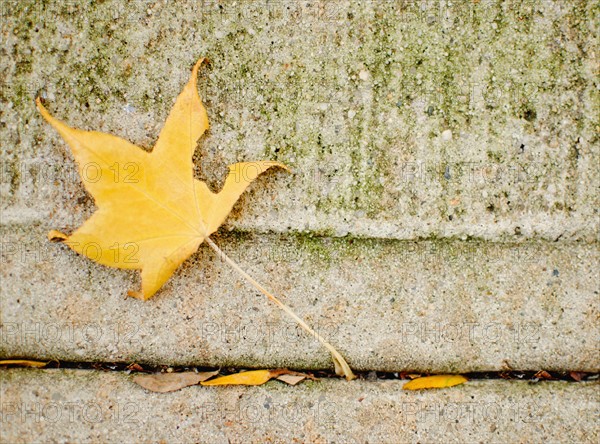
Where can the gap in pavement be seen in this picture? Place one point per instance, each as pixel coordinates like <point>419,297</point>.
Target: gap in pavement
<point>532,376</point>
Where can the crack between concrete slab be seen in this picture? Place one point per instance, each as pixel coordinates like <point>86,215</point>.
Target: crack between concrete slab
<point>531,376</point>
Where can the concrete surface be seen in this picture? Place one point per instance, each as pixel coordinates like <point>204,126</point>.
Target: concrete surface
<point>90,406</point>
<point>400,119</point>
<point>388,305</point>
<point>443,215</point>
<point>352,116</point>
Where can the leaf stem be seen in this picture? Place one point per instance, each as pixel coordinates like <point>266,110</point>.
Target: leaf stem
<point>341,366</point>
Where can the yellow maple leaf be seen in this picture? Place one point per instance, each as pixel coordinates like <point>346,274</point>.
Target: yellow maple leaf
<point>151,213</point>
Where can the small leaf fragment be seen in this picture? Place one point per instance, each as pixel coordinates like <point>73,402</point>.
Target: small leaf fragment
<point>577,376</point>
<point>56,236</point>
<point>543,374</point>
<point>24,363</point>
<point>437,381</point>
<point>170,382</point>
<point>135,367</point>
<point>292,379</point>
<point>208,375</point>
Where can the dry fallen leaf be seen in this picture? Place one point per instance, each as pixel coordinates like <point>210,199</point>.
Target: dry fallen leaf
<point>170,382</point>
<point>291,379</point>
<point>437,381</point>
<point>543,374</point>
<point>152,214</point>
<point>258,377</point>
<point>135,367</point>
<point>577,376</point>
<point>255,377</point>
<point>24,363</point>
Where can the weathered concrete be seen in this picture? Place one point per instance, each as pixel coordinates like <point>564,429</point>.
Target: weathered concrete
<point>506,150</point>
<point>89,406</point>
<point>443,215</point>
<point>388,305</point>
<point>411,121</point>
<point>400,119</point>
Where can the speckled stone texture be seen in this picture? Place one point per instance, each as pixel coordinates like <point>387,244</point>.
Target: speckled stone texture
<point>442,213</point>
<point>90,406</point>
<point>467,131</point>
<point>387,305</point>
<point>400,119</point>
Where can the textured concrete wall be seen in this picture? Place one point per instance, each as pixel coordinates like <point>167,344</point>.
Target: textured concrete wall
<point>469,130</point>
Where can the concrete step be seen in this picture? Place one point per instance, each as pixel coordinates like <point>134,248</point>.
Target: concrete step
<point>434,306</point>
<point>90,406</point>
<point>485,125</point>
